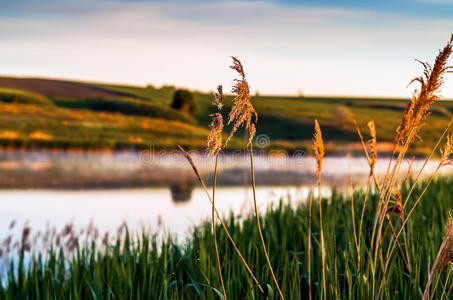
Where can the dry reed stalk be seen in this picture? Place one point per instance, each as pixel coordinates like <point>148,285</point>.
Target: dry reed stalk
<point>443,162</point>
<point>351,188</point>
<point>409,170</point>
<point>318,147</point>
<point>242,111</point>
<point>444,256</point>
<point>259,224</point>
<point>372,162</point>
<point>309,244</point>
<point>445,285</point>
<point>195,169</point>
<point>214,147</point>
<point>413,118</point>
<point>214,226</point>
<point>241,115</point>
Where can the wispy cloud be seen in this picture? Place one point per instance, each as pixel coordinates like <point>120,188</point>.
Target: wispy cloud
<point>319,49</point>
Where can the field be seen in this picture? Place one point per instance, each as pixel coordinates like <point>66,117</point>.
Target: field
<point>142,267</point>
<point>79,110</point>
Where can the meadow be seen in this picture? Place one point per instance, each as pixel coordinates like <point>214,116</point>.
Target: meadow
<point>62,110</point>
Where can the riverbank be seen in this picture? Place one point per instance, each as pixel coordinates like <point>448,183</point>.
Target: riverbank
<point>138,266</point>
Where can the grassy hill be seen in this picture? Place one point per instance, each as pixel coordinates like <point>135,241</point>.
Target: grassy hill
<point>106,116</point>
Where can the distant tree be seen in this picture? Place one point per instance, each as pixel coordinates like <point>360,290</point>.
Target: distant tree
<point>183,101</point>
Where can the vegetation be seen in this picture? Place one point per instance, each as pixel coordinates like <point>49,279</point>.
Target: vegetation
<point>144,267</point>
<point>373,245</point>
<point>8,95</point>
<point>183,101</point>
<point>30,126</point>
<point>287,121</point>
<point>126,107</point>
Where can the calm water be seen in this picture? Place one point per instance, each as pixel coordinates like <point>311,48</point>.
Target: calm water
<point>155,208</point>
<point>152,209</point>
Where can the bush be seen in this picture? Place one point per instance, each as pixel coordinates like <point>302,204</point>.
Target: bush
<point>24,97</point>
<point>126,107</point>
<point>183,101</point>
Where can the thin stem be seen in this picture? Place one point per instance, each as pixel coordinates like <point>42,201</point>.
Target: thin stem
<point>445,285</point>
<point>309,245</point>
<point>323,250</point>
<point>434,269</point>
<point>187,156</point>
<point>353,214</point>
<point>363,212</point>
<point>213,225</point>
<point>258,223</point>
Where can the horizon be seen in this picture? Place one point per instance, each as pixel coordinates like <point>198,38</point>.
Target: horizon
<point>354,48</point>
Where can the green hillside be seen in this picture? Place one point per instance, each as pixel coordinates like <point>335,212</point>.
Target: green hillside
<point>105,116</point>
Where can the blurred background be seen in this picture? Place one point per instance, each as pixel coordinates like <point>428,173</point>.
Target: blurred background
<point>95,96</point>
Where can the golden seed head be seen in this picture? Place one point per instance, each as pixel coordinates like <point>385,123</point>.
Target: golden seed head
<point>446,152</point>
<point>446,256</point>
<point>318,147</point>
<point>215,135</point>
<point>242,111</point>
<point>373,146</point>
<point>430,82</point>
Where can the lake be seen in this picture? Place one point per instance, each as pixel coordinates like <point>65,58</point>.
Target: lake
<point>167,198</point>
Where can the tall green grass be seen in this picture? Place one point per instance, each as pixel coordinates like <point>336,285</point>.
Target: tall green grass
<point>142,267</point>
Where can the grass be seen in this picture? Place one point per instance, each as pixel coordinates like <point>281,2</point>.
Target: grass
<point>286,120</point>
<point>29,126</point>
<point>141,267</point>
<point>124,106</point>
<point>8,95</point>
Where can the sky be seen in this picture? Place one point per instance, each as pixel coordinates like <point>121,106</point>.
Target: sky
<point>329,47</point>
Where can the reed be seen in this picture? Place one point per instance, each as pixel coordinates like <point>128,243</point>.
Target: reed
<point>318,148</point>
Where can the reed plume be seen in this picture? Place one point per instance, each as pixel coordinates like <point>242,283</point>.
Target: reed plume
<point>373,146</point>
<point>446,256</point>
<point>318,147</point>
<point>430,82</point>
<point>242,111</point>
<point>216,126</point>
<point>446,152</point>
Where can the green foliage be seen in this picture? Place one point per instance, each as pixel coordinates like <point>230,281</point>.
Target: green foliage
<point>8,95</point>
<point>126,107</point>
<point>183,101</point>
<point>143,268</point>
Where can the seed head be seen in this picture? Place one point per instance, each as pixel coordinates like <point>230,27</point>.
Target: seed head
<point>446,256</point>
<point>318,147</point>
<point>430,82</point>
<point>373,146</point>
<point>215,135</point>
<point>446,152</point>
<point>242,111</point>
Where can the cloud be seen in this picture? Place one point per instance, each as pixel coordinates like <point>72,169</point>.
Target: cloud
<point>321,50</point>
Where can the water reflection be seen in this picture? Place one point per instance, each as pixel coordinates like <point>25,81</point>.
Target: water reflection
<point>181,191</point>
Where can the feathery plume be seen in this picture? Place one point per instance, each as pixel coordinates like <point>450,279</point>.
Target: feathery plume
<point>430,82</point>
<point>373,147</point>
<point>446,256</point>
<point>318,147</point>
<point>215,135</point>
<point>242,111</point>
<point>446,152</point>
